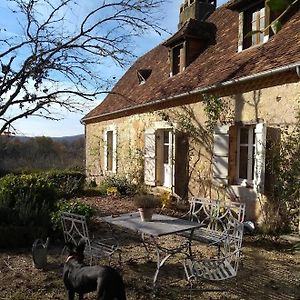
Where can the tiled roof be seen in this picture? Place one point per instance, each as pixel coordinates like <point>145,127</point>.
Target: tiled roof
<point>219,63</point>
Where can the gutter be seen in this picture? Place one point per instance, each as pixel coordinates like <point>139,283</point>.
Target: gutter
<point>290,67</point>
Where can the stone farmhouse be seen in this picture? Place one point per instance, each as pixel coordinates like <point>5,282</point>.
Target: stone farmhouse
<point>152,127</point>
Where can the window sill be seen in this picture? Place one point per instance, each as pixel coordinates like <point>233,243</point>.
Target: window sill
<point>243,185</point>
<point>243,50</point>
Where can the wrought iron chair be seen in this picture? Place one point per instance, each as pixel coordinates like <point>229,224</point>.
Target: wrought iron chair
<point>75,228</point>
<point>215,215</point>
<point>225,264</point>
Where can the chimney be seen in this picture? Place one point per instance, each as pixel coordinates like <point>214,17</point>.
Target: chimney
<point>196,9</point>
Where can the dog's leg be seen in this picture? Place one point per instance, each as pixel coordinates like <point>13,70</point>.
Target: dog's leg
<point>71,295</point>
<point>100,292</point>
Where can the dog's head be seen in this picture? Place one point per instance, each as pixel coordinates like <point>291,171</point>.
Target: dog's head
<point>76,251</point>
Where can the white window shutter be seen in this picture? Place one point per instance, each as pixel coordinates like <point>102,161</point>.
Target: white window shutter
<point>149,157</point>
<point>114,147</point>
<point>260,157</point>
<point>105,150</point>
<point>220,154</point>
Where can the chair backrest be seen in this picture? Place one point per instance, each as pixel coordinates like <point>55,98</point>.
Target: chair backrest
<point>74,228</point>
<point>215,214</point>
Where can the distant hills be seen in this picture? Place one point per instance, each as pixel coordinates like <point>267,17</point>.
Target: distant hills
<point>62,139</point>
<point>41,153</point>
<point>70,138</point>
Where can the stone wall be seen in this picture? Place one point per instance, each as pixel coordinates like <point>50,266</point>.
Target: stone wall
<point>275,105</point>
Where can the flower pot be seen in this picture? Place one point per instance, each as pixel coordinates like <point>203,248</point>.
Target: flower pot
<point>146,214</point>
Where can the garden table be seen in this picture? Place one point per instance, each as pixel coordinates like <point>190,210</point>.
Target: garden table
<point>160,225</point>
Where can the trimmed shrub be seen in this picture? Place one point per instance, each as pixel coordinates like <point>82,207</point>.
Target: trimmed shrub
<point>68,184</point>
<point>27,199</point>
<point>123,185</point>
<point>72,206</point>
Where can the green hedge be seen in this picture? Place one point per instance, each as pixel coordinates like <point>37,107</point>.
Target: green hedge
<point>26,199</point>
<point>72,206</point>
<point>122,184</point>
<point>27,203</point>
<point>67,184</point>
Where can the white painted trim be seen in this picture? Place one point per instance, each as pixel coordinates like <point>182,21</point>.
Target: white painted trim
<point>248,180</point>
<point>260,157</point>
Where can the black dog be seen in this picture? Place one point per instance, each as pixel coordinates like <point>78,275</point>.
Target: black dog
<point>80,278</point>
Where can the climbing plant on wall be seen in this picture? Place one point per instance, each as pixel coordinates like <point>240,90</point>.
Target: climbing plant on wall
<point>284,166</point>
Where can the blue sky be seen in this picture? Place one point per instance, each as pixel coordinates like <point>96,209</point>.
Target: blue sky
<point>70,124</point>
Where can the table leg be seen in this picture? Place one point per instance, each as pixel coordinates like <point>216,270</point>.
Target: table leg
<point>159,263</point>
<point>146,246</point>
<point>190,243</point>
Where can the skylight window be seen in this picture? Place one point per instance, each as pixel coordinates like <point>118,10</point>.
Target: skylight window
<point>143,75</point>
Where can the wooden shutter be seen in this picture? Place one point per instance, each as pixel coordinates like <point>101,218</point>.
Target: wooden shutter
<point>220,154</point>
<point>260,157</point>
<point>149,158</point>
<point>181,164</point>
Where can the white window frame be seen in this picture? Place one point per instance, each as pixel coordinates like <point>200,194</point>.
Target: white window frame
<point>220,163</point>
<point>113,129</point>
<point>242,19</point>
<point>150,153</point>
<point>250,145</point>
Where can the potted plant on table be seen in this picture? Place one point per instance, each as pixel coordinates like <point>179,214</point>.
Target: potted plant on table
<point>146,204</point>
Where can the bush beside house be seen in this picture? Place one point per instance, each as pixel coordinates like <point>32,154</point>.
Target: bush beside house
<point>27,202</point>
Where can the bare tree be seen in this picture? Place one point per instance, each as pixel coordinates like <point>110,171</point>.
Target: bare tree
<point>55,61</point>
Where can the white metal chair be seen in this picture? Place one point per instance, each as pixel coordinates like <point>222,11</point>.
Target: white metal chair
<point>225,264</point>
<point>215,216</point>
<point>75,228</point>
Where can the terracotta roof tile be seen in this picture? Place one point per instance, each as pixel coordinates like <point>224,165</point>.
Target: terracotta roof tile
<point>218,63</point>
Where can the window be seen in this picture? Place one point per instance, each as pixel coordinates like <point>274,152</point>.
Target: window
<point>159,156</point>
<point>239,155</point>
<point>254,19</point>
<point>110,150</point>
<point>143,75</point>
<point>245,154</point>
<point>258,24</point>
<point>178,59</point>
<point>166,146</point>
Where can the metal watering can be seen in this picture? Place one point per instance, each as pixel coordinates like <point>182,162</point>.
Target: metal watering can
<point>39,253</point>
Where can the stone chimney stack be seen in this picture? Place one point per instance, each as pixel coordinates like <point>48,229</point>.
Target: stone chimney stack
<point>196,9</point>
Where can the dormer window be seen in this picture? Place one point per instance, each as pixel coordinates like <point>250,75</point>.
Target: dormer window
<point>143,75</point>
<point>255,21</point>
<point>194,34</point>
<point>178,59</point>
<point>254,18</point>
<point>187,44</point>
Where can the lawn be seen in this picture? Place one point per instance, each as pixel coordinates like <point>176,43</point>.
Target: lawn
<point>269,269</point>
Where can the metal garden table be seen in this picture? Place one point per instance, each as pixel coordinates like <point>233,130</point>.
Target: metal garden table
<point>160,225</point>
